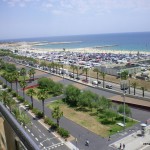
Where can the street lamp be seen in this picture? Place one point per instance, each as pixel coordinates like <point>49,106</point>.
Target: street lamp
<point>124,111</point>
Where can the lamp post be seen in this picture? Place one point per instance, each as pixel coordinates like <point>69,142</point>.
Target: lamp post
<point>124,111</point>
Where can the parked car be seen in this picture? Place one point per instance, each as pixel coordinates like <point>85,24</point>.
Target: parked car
<point>109,86</point>
<point>77,78</point>
<point>84,80</point>
<point>96,83</point>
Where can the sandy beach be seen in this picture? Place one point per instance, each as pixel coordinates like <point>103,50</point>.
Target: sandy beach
<point>29,46</point>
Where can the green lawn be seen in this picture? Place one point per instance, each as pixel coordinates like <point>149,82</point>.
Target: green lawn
<point>90,120</point>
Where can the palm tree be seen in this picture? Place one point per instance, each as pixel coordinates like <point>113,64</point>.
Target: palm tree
<point>11,78</point>
<point>10,103</point>
<point>42,95</point>
<point>49,66</point>
<point>16,76</point>
<point>57,114</point>
<point>73,67</point>
<point>23,119</point>
<point>30,93</point>
<point>97,73</point>
<point>43,64</point>
<point>77,69</point>
<point>86,72</point>
<point>23,84</point>
<point>124,74</point>
<point>4,95</point>
<point>143,89</point>
<point>134,85</point>
<point>30,74</point>
<point>23,72</point>
<point>53,66</point>
<point>103,74</point>
<point>33,72</point>
<point>5,76</point>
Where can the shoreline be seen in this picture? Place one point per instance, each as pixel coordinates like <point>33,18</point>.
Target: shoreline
<point>26,46</point>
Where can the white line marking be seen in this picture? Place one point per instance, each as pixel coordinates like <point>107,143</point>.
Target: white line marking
<point>28,130</point>
<point>40,136</point>
<point>36,139</point>
<point>43,134</point>
<point>39,130</point>
<point>41,144</point>
<point>55,145</point>
<point>32,134</point>
<point>35,126</point>
<point>25,126</point>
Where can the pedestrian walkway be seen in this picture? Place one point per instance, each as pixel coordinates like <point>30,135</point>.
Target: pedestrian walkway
<point>134,141</point>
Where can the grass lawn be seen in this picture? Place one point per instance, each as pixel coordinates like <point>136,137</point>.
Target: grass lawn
<point>88,119</point>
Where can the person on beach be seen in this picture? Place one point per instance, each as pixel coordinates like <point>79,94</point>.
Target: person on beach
<point>120,146</point>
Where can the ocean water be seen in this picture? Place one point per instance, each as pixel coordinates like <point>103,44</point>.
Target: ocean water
<point>139,41</point>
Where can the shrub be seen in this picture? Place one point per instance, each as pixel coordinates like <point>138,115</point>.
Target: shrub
<point>20,99</point>
<point>54,126</point>
<point>14,94</point>
<point>1,82</point>
<point>48,121</point>
<point>37,112</point>
<point>9,90</point>
<point>106,121</point>
<point>4,86</point>
<point>63,133</point>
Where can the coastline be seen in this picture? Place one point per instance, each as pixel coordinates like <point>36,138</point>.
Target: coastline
<point>27,46</point>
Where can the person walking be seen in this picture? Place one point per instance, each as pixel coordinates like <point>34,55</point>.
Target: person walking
<point>120,146</point>
<point>123,146</point>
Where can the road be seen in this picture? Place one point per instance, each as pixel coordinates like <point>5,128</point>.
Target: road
<point>96,142</point>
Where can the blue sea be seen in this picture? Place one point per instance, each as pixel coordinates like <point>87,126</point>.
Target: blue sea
<point>139,41</point>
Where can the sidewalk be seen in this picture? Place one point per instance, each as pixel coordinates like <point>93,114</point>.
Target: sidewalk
<point>134,141</point>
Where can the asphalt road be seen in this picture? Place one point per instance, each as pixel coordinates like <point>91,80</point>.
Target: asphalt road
<point>96,142</point>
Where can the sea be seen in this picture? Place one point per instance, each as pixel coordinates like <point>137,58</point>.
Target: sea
<point>137,41</point>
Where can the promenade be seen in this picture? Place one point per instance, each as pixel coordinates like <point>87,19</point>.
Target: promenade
<point>134,141</point>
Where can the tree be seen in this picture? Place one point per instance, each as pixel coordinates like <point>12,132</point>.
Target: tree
<point>33,73</point>
<point>57,89</point>
<point>127,109</point>
<point>16,76</point>
<point>24,119</point>
<point>23,72</point>
<point>124,74</point>
<point>49,66</point>
<point>42,95</point>
<point>143,90</point>
<point>73,69</point>
<point>110,114</point>
<point>30,74</point>
<point>5,76</point>
<point>97,73</point>
<point>43,64</point>
<point>30,93</point>
<point>71,95</point>
<point>4,95</point>
<point>57,114</point>
<point>134,85</point>
<point>11,78</point>
<point>23,84</point>
<point>86,72</point>
<point>10,103</point>
<point>77,69</point>
<point>103,74</point>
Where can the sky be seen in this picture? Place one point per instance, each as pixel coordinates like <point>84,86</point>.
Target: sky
<point>45,18</point>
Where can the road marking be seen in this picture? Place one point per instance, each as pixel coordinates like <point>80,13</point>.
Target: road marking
<point>32,134</point>
<point>55,145</point>
<point>43,134</point>
<point>36,139</point>
<point>25,126</point>
<point>35,126</point>
<point>28,130</point>
<point>39,130</point>
<point>41,144</point>
<point>40,136</point>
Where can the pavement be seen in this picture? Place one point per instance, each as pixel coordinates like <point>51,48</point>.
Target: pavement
<point>134,141</point>
<point>80,133</point>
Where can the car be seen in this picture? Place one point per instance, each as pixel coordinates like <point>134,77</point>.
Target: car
<point>109,86</point>
<point>96,83</point>
<point>77,78</point>
<point>84,80</point>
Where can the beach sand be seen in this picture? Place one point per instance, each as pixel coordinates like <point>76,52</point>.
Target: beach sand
<point>29,47</point>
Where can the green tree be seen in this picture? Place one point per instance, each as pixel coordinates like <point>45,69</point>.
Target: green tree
<point>16,76</point>
<point>42,95</point>
<point>71,95</point>
<point>31,93</point>
<point>77,69</point>
<point>23,72</point>
<point>10,103</point>
<point>143,90</point>
<point>86,72</point>
<point>124,74</point>
<point>33,73</point>
<point>43,64</point>
<point>127,109</point>
<point>57,114</point>
<point>4,95</point>
<point>103,74</point>
<point>30,74</point>
<point>57,89</point>
<point>23,84</point>
<point>5,76</point>
<point>73,67</point>
<point>134,85</point>
<point>11,78</point>
<point>24,119</point>
<point>97,73</point>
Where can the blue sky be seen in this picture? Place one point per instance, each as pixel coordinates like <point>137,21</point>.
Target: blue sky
<point>41,18</point>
